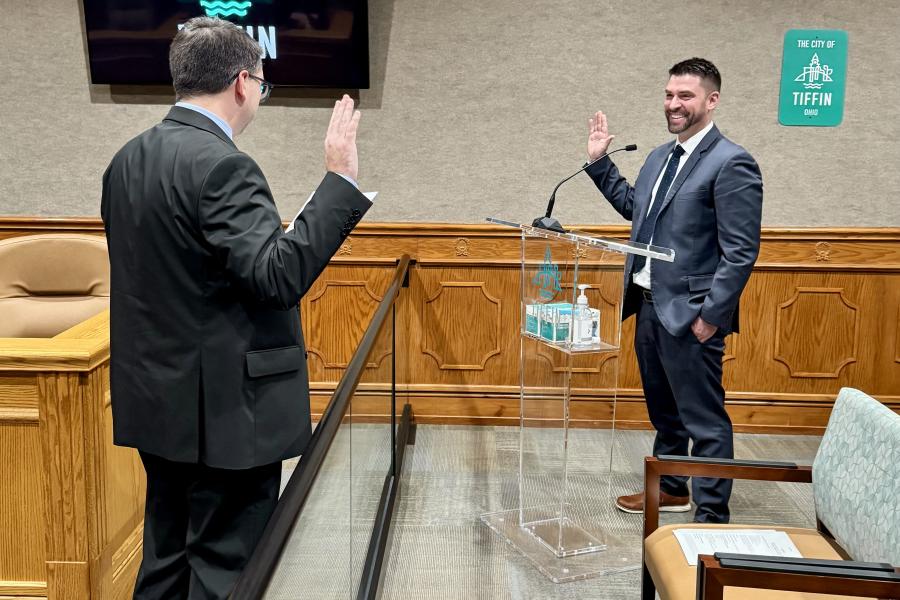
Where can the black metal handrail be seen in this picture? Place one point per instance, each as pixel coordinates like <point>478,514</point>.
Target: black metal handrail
<point>252,583</point>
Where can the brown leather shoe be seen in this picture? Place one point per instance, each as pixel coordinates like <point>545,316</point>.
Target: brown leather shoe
<point>667,503</point>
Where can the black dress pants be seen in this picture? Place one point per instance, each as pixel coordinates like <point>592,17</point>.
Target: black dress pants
<point>200,526</point>
<point>682,381</point>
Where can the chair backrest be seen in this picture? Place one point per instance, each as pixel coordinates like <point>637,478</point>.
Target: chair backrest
<point>50,282</point>
<point>856,478</point>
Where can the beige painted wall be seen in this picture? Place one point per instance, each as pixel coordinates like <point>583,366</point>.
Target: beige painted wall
<point>478,107</point>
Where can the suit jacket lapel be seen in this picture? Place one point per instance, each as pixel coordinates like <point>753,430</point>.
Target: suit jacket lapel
<point>705,144</point>
<point>655,166</point>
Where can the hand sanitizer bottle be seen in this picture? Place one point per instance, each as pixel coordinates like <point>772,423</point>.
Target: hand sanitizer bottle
<point>582,320</point>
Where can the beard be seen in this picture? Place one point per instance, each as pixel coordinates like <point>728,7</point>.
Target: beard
<point>684,124</point>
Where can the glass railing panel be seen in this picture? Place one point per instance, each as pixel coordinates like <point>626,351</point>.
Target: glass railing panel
<point>315,562</point>
<point>371,445</point>
<point>318,542</point>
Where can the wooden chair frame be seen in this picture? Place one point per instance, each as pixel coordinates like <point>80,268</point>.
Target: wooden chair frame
<point>715,573</point>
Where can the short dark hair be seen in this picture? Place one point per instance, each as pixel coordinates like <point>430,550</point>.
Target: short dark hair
<point>207,53</point>
<point>702,68</point>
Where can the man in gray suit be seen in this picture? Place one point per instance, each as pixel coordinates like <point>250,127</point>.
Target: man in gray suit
<point>700,195</point>
<point>208,368</point>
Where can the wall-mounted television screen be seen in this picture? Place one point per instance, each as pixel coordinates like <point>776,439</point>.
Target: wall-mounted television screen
<point>315,43</point>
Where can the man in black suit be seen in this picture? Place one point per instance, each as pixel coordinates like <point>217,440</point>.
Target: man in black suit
<point>700,195</point>
<point>208,370</point>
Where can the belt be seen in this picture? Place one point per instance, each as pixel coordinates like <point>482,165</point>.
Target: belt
<point>647,294</point>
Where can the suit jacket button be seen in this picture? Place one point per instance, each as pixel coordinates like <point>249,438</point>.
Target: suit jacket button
<point>355,212</point>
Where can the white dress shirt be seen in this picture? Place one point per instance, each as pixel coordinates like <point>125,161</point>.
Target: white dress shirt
<point>642,277</point>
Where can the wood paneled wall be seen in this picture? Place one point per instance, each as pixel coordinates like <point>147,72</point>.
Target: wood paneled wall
<point>821,311</point>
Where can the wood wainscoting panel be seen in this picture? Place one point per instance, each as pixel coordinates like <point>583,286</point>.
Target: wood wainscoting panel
<point>27,590</point>
<point>22,497</point>
<point>117,487</point>
<point>62,421</point>
<point>18,391</point>
<point>800,338</point>
<point>72,503</point>
<point>897,336</point>
<point>459,321</point>
<point>817,318</point>
<point>68,580</point>
<point>335,313</point>
<point>461,325</point>
<point>812,332</point>
<point>341,310</point>
<point>124,565</point>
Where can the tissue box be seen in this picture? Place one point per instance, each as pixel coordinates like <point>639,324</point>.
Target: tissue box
<point>555,321</point>
<point>531,318</point>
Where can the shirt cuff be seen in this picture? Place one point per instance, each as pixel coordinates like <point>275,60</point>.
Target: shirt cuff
<point>349,179</point>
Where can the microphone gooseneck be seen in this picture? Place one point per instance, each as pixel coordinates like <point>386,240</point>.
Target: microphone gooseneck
<point>546,222</point>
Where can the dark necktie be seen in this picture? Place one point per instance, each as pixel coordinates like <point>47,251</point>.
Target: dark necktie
<point>645,234</point>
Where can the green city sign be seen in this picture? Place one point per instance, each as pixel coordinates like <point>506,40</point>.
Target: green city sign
<point>813,77</point>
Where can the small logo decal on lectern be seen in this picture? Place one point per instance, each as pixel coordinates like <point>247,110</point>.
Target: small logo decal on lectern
<point>547,278</point>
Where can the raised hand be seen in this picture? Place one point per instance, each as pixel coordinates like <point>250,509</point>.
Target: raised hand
<point>599,138</point>
<point>340,139</point>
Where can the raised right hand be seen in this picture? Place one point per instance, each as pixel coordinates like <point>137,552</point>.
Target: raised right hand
<point>599,138</point>
<point>340,139</point>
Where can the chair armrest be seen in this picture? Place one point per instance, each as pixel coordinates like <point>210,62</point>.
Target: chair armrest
<point>715,573</point>
<point>656,466</point>
<point>728,462</point>
<point>724,557</point>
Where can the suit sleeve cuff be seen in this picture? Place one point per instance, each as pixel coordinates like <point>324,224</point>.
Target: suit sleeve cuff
<point>599,170</point>
<point>349,179</point>
<point>719,321</point>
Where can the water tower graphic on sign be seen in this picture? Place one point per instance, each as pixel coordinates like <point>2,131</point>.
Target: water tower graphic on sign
<point>218,8</point>
<point>815,73</point>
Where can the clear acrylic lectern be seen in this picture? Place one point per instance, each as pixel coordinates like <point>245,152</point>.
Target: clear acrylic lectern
<point>565,521</point>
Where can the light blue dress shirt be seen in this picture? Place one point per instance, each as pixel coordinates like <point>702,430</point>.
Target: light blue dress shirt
<point>211,116</point>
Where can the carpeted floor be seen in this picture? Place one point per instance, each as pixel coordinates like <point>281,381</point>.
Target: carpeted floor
<point>441,549</point>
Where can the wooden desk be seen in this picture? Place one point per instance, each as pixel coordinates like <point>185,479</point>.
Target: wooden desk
<point>71,503</point>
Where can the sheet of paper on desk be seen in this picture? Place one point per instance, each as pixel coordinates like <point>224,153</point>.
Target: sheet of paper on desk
<point>369,195</point>
<point>766,542</point>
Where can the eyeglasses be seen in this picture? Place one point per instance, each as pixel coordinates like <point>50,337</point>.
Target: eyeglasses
<point>265,87</point>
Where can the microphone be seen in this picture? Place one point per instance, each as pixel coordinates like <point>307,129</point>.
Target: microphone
<point>546,222</point>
